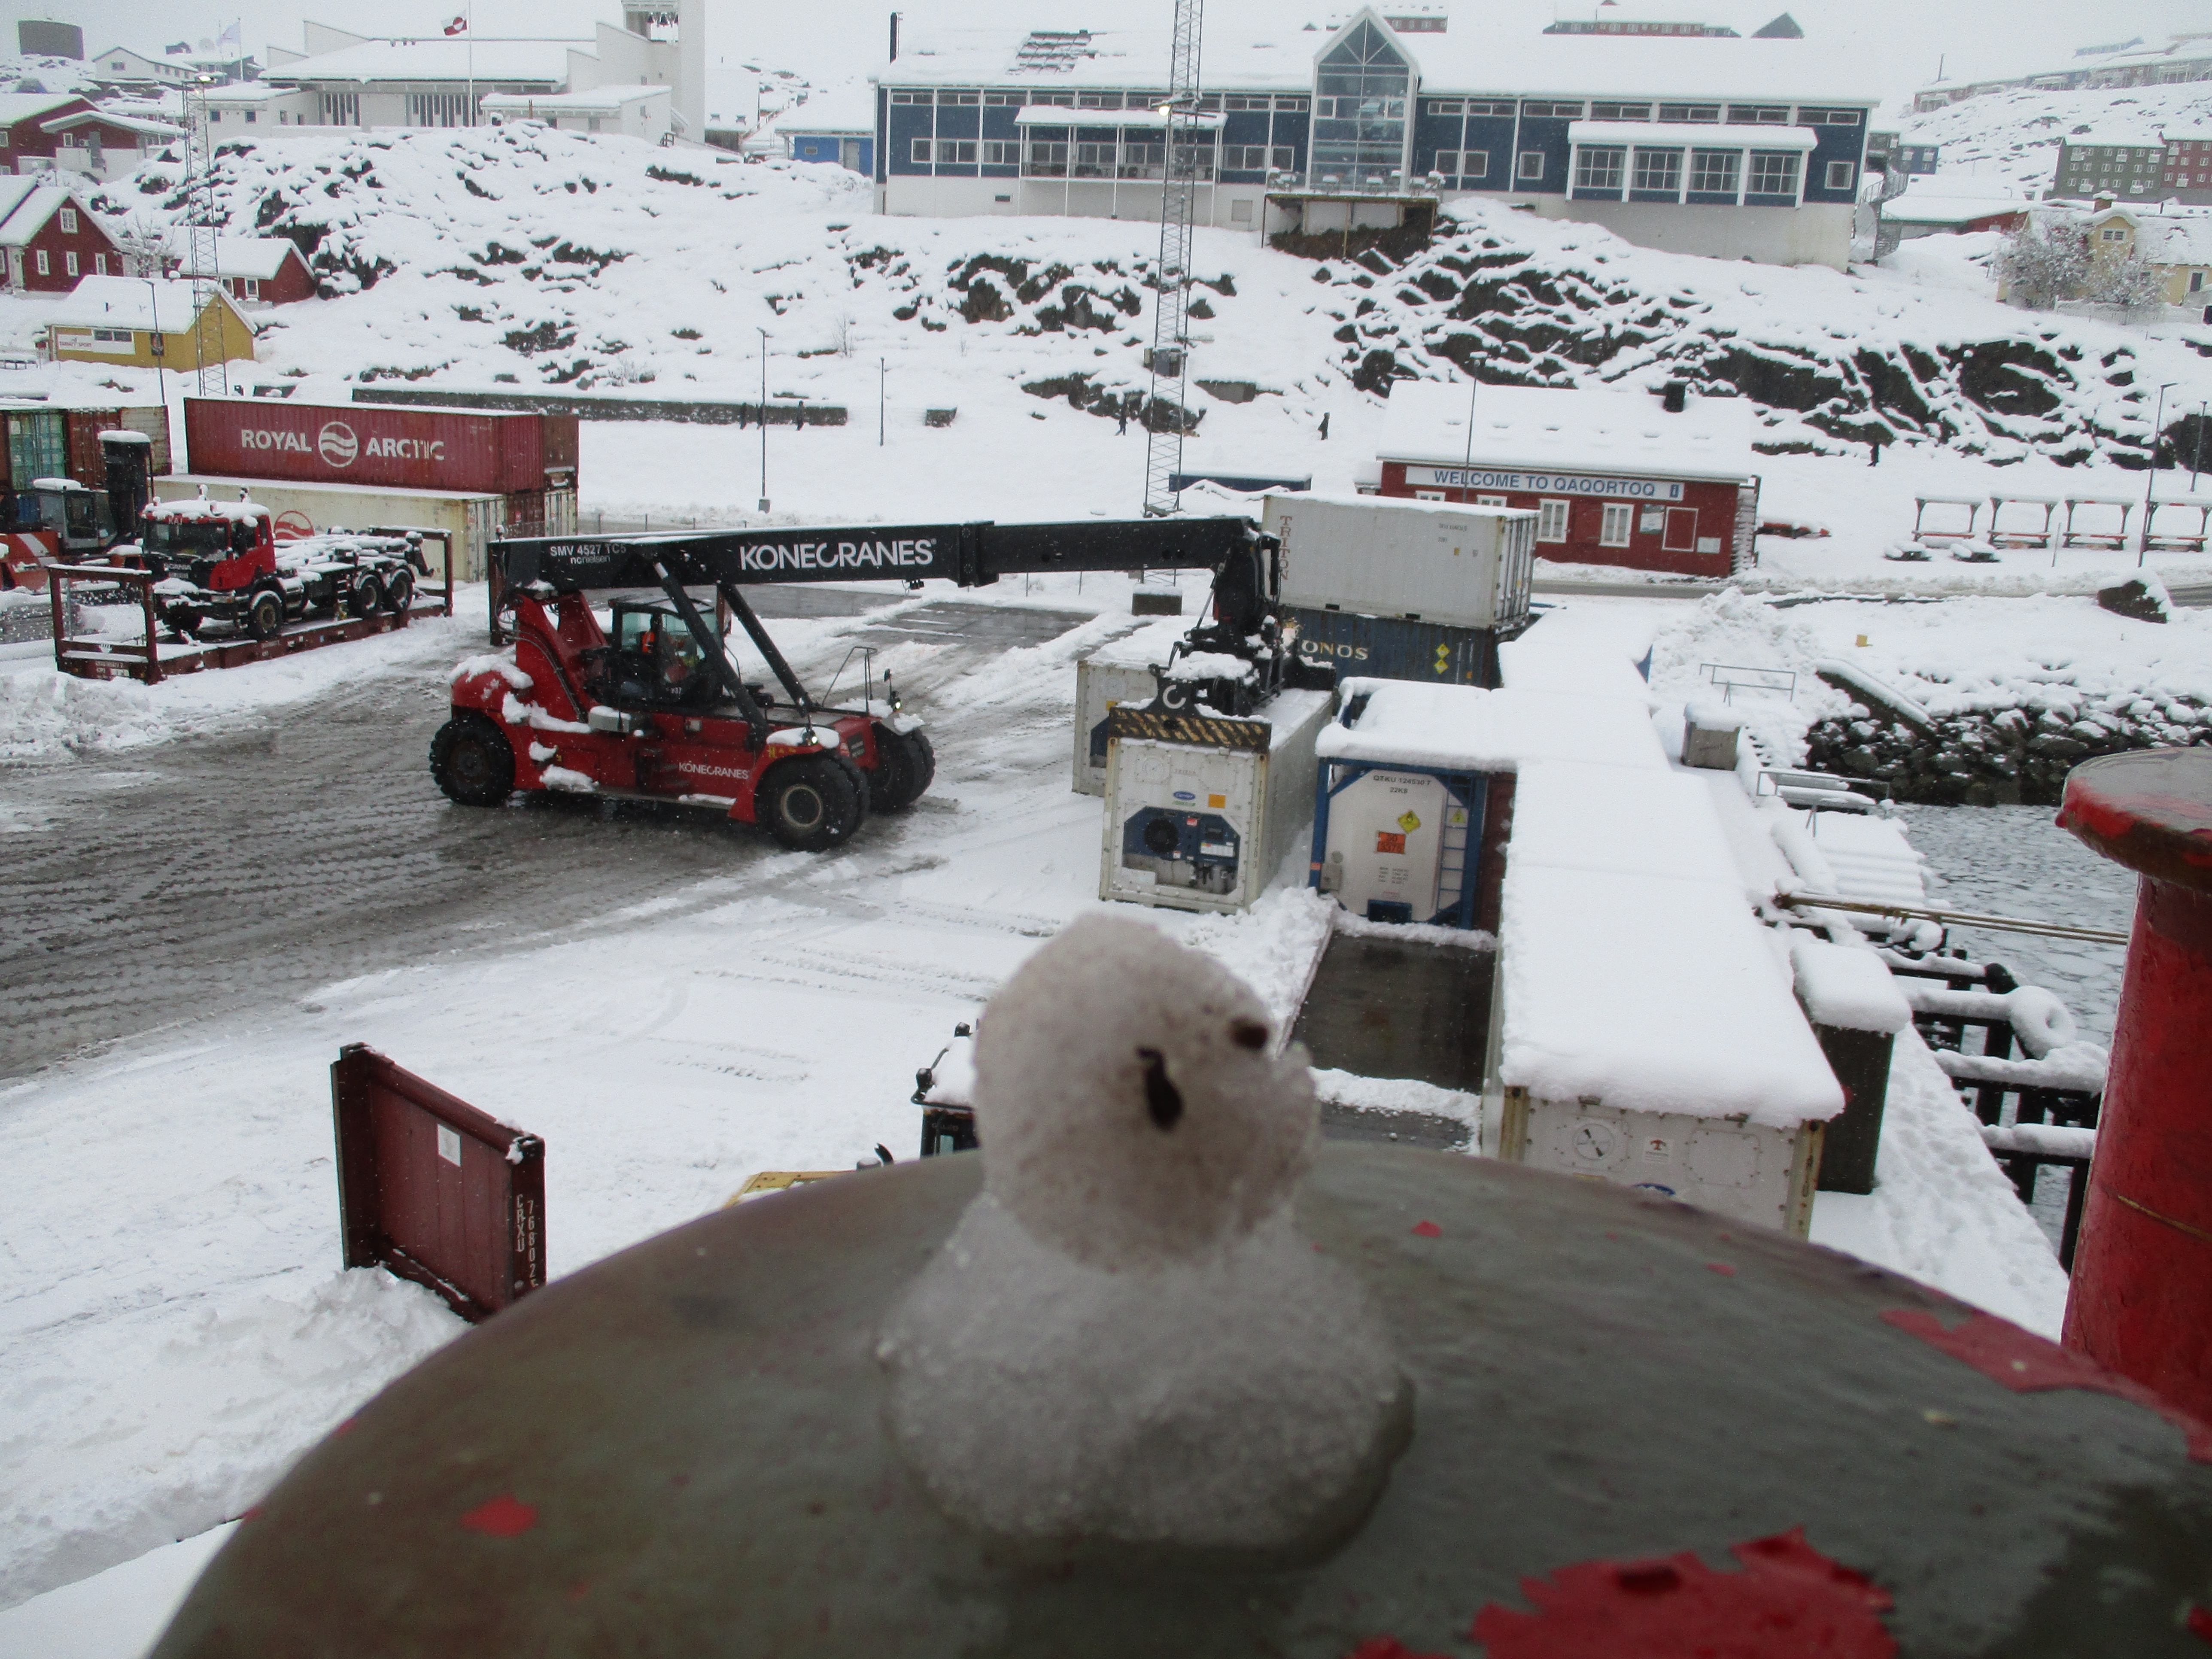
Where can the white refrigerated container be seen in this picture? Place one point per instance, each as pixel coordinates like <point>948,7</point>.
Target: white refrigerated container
<point>1434,562</point>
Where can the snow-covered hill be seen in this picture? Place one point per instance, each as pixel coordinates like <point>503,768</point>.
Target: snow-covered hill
<point>2014,137</point>
<point>541,258</point>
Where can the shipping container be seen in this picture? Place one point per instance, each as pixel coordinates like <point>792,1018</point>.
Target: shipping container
<point>1463,567</point>
<point>1119,671</point>
<point>1393,648</point>
<point>1200,809</point>
<point>475,452</point>
<point>474,521</point>
<point>44,441</point>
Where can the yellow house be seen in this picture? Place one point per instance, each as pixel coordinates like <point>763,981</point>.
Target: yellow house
<point>2178,247</point>
<point>134,321</point>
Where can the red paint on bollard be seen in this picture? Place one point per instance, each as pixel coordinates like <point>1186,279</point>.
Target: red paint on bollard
<point>2142,1272</point>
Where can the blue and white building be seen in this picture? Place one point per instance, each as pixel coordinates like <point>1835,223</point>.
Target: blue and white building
<point>1723,146</point>
<point>837,127</point>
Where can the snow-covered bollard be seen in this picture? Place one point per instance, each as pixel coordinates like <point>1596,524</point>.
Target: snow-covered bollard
<point>1126,1340</point>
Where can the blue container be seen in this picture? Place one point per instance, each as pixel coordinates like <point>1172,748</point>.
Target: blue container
<point>1398,648</point>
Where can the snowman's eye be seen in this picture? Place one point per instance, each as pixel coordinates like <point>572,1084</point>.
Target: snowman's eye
<point>1247,1034</point>
<point>1163,1100</point>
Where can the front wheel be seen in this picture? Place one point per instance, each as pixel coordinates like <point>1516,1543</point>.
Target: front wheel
<point>264,614</point>
<point>811,805</point>
<point>905,764</point>
<point>367,595</point>
<point>472,761</point>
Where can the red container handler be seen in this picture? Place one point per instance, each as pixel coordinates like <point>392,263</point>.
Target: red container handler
<point>2141,1300</point>
<point>434,1190</point>
<point>388,446</point>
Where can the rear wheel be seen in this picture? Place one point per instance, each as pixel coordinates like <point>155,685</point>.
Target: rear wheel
<point>905,764</point>
<point>400,590</point>
<point>811,805</point>
<point>472,761</point>
<point>184,621</point>
<point>264,614</point>
<point>367,595</point>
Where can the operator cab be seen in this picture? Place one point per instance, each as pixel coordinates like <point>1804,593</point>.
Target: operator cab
<point>80,517</point>
<point>653,661</point>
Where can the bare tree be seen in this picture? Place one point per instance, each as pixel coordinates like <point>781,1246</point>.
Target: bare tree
<point>2131,283</point>
<point>144,238</point>
<point>2043,262</point>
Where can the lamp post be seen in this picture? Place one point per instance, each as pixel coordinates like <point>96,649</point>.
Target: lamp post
<point>2150,477</point>
<point>2196,465</point>
<point>159,349</point>
<point>883,397</point>
<point>763,417</point>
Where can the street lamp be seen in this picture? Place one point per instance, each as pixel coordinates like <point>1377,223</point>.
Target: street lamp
<point>2150,478</point>
<point>763,417</point>
<point>159,347</point>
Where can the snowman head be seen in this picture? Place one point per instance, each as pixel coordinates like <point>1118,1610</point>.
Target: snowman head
<point>1133,1108</point>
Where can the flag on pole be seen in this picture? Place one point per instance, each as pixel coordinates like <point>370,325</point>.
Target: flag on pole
<point>459,25</point>
<point>230,36</point>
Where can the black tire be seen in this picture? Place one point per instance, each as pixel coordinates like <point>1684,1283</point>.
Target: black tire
<point>264,614</point>
<point>184,621</point>
<point>472,761</point>
<point>367,593</point>
<point>905,764</point>
<point>811,805</point>
<point>400,590</point>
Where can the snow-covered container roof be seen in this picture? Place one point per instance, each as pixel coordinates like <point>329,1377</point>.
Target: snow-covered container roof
<point>1466,727</point>
<point>1145,647</point>
<point>1705,135</point>
<point>1580,654</point>
<point>1847,987</point>
<point>1650,995</point>
<point>1635,821</point>
<point>1569,430</point>
<point>489,59</point>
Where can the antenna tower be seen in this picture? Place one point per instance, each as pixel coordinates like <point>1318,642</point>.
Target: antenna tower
<point>201,223</point>
<point>1186,159</point>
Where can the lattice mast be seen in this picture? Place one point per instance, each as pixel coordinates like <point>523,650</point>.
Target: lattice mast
<point>1179,183</point>
<point>201,224</point>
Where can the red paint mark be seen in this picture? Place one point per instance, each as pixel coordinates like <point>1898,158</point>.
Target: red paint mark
<point>2199,1623</point>
<point>1721,1268</point>
<point>255,1514</point>
<point>1790,1601</point>
<point>503,1518</point>
<point>679,1480</point>
<point>580,1589</point>
<point>1387,1647</point>
<point>1427,1230</point>
<point>1725,1238</point>
<point>345,1427</point>
<point>2028,1363</point>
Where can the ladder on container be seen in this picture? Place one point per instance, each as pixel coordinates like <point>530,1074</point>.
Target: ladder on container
<point>1163,417</point>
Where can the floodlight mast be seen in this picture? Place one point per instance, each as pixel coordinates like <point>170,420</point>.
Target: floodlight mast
<point>1183,161</point>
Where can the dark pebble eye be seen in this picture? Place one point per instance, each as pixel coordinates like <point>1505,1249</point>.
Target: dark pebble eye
<point>1163,1100</point>
<point>1247,1034</point>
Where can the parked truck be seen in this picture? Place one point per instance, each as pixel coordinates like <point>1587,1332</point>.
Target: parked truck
<point>220,561</point>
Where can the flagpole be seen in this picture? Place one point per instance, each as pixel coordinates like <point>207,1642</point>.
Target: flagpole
<point>469,27</point>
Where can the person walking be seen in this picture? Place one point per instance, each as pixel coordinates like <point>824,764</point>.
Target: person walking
<point>1324,426</point>
<point>1122,418</point>
<point>1874,451</point>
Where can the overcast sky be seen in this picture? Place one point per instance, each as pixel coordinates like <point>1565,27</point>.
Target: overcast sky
<point>1900,41</point>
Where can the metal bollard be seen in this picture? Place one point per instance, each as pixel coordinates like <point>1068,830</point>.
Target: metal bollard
<point>2142,1272</point>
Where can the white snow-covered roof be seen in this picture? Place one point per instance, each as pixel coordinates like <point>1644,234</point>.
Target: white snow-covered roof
<point>28,106</point>
<point>2174,240</point>
<point>259,257</point>
<point>1474,60</point>
<point>1635,971</point>
<point>1572,430</point>
<point>129,302</point>
<point>1949,201</point>
<point>26,201</point>
<point>1409,723</point>
<point>598,100</point>
<point>1706,135</point>
<point>441,59</point>
<point>107,117</point>
<point>844,109</point>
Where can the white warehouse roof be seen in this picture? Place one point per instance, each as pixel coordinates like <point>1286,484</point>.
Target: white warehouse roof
<point>492,61</point>
<point>1572,430</point>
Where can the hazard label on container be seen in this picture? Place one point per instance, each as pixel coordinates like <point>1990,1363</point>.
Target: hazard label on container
<point>1387,842</point>
<point>1409,822</point>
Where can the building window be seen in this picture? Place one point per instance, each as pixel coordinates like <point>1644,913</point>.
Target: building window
<point>1446,106</point>
<point>1613,531</point>
<point>1493,107</point>
<point>1532,164</point>
<point>1827,117</point>
<point>1766,115</point>
<point>1841,175</point>
<point>1002,98</point>
<point>249,118</point>
<point>215,116</point>
<point>1287,159</point>
<point>1491,500</point>
<point>68,264</point>
<point>920,154</point>
<point>1244,158</point>
<point>1447,163</point>
<point>1475,164</point>
<point>1361,87</point>
<point>69,222</point>
<point>1098,101</point>
<point>2196,282</point>
<point>100,264</point>
<point>999,153</point>
<point>1599,168</point>
<point>1713,172</point>
<point>1554,111</point>
<point>1621,111</point>
<point>1095,160</point>
<point>44,268</point>
<point>1659,170</point>
<point>1290,105</point>
<point>909,98</point>
<point>252,287</point>
<point>1428,495</point>
<point>1048,161</point>
<point>1240,211</point>
<point>955,152</point>
<point>1690,113</point>
<point>1551,520</point>
<point>959,98</point>
<point>1773,173</point>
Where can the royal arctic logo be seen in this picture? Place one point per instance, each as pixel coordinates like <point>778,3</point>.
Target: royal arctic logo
<point>337,444</point>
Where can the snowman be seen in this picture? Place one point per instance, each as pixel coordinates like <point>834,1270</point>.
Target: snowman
<point>1125,1340</point>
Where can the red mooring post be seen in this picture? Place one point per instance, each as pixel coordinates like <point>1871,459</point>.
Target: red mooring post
<point>2142,1296</point>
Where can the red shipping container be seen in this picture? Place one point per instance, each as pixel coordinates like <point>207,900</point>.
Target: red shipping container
<point>475,451</point>
<point>434,1190</point>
